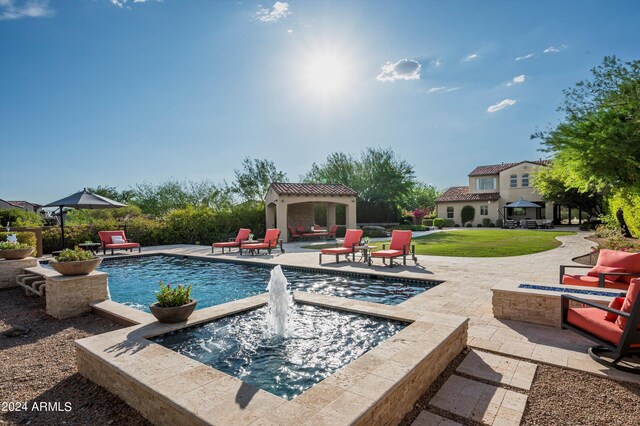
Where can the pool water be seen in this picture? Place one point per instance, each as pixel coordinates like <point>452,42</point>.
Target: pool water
<point>134,281</point>
<point>320,342</point>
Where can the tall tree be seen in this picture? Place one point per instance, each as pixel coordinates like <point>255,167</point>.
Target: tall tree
<point>597,145</point>
<point>253,180</point>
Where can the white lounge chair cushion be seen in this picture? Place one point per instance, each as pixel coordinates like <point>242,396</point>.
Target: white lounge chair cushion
<point>117,239</point>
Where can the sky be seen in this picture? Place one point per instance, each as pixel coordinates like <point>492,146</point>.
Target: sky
<point>119,92</point>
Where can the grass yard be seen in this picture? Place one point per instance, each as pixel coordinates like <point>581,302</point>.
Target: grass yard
<point>481,243</point>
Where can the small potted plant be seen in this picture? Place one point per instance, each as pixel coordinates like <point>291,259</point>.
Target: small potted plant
<point>174,304</point>
<point>15,250</point>
<point>75,262</point>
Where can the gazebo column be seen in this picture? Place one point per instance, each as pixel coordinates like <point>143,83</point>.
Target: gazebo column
<point>270,213</point>
<point>331,214</point>
<point>351,215</point>
<point>281,217</point>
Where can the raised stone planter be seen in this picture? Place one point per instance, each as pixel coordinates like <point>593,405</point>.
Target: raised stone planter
<point>539,306</point>
<point>71,296</point>
<point>10,269</point>
<point>14,254</point>
<point>78,267</point>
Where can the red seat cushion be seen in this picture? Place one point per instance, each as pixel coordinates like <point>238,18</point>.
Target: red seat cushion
<point>592,321</point>
<point>596,270</point>
<point>227,244</point>
<point>589,281</point>
<point>630,262</point>
<point>255,246</point>
<point>122,245</point>
<point>336,250</point>
<point>629,301</point>
<point>387,253</point>
<point>616,303</point>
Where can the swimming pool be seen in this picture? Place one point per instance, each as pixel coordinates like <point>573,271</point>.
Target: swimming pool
<point>133,281</point>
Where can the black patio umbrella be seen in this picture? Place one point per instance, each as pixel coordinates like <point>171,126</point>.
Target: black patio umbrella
<point>83,200</point>
<point>523,204</point>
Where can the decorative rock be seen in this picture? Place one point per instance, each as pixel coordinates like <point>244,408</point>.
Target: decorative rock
<point>15,331</point>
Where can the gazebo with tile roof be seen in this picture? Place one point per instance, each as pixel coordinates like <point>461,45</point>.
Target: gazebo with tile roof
<point>293,204</point>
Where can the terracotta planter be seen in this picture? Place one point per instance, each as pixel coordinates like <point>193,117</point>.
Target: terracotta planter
<point>13,254</point>
<point>79,267</point>
<point>173,314</point>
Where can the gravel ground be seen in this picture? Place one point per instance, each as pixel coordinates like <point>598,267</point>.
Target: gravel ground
<point>40,367</point>
<point>557,397</point>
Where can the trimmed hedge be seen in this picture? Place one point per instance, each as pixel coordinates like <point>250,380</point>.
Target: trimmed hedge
<point>411,227</point>
<point>499,223</point>
<point>449,223</point>
<point>23,237</point>
<point>438,222</point>
<point>427,222</point>
<point>486,222</point>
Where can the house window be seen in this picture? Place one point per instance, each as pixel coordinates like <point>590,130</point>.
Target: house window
<point>484,210</point>
<point>449,212</point>
<point>485,183</point>
<point>513,181</point>
<point>525,180</point>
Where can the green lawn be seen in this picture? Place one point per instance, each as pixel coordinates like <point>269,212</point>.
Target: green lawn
<point>482,243</point>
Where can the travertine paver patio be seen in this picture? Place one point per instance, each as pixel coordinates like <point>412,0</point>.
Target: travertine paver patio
<point>429,419</point>
<point>498,369</point>
<point>467,291</point>
<point>481,402</point>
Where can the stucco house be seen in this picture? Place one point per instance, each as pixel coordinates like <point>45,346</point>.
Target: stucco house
<point>494,186</point>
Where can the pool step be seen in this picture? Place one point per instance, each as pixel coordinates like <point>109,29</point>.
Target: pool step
<point>486,404</point>
<point>498,369</point>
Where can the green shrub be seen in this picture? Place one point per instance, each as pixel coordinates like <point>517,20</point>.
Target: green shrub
<point>74,255</point>
<point>499,223</point>
<point>468,225</point>
<point>374,232</point>
<point>457,225</point>
<point>411,227</point>
<point>491,225</point>
<point>438,222</point>
<point>170,297</point>
<point>28,238</point>
<point>478,225</point>
<point>16,217</point>
<point>427,222</point>
<point>467,214</point>
<point>486,222</point>
<point>6,245</point>
<point>449,223</point>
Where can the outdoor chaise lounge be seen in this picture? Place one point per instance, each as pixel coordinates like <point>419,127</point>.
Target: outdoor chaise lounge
<point>269,242</point>
<point>116,240</point>
<point>243,235</point>
<point>616,327</point>
<point>400,247</point>
<point>614,269</point>
<point>351,241</point>
<point>294,233</point>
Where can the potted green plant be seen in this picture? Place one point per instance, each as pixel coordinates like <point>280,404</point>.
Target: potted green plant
<point>174,303</point>
<point>15,250</point>
<point>75,262</point>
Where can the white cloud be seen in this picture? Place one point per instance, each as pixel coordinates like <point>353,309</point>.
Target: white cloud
<point>516,80</point>
<point>16,9</point>
<point>404,69</point>
<point>552,49</point>
<point>442,89</point>
<point>125,3</point>
<point>436,62</point>
<point>471,57</point>
<point>278,11</point>
<point>527,56</point>
<point>502,104</point>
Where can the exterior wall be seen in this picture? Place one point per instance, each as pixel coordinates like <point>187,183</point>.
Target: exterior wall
<point>10,269</point>
<point>69,297</point>
<point>457,209</point>
<point>472,184</point>
<point>301,214</point>
<point>514,194</point>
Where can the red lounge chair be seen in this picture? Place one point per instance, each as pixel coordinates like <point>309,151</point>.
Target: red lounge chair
<point>293,232</point>
<point>351,240</point>
<point>269,242</point>
<point>616,327</point>
<point>614,269</point>
<point>243,235</point>
<point>400,246</point>
<point>331,235</point>
<point>107,241</point>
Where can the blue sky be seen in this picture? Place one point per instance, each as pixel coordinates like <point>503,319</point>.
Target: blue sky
<point>118,92</point>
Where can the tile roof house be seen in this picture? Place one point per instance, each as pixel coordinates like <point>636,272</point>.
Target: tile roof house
<point>491,188</point>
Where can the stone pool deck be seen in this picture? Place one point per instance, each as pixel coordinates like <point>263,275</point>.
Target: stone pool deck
<point>466,291</point>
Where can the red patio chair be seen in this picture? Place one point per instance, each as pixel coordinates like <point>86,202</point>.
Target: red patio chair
<point>351,240</point>
<point>293,232</point>
<point>331,234</point>
<point>614,269</point>
<point>243,235</point>
<point>269,242</point>
<point>615,328</point>
<point>116,240</point>
<point>400,247</point>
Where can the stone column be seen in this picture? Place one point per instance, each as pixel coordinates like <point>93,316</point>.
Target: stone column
<point>351,215</point>
<point>10,269</point>
<point>69,297</point>
<point>331,215</point>
<point>281,218</point>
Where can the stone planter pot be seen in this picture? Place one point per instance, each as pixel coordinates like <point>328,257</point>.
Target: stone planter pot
<point>79,267</point>
<point>173,314</point>
<point>13,254</point>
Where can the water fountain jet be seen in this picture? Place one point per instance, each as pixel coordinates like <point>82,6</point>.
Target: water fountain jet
<point>280,302</point>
